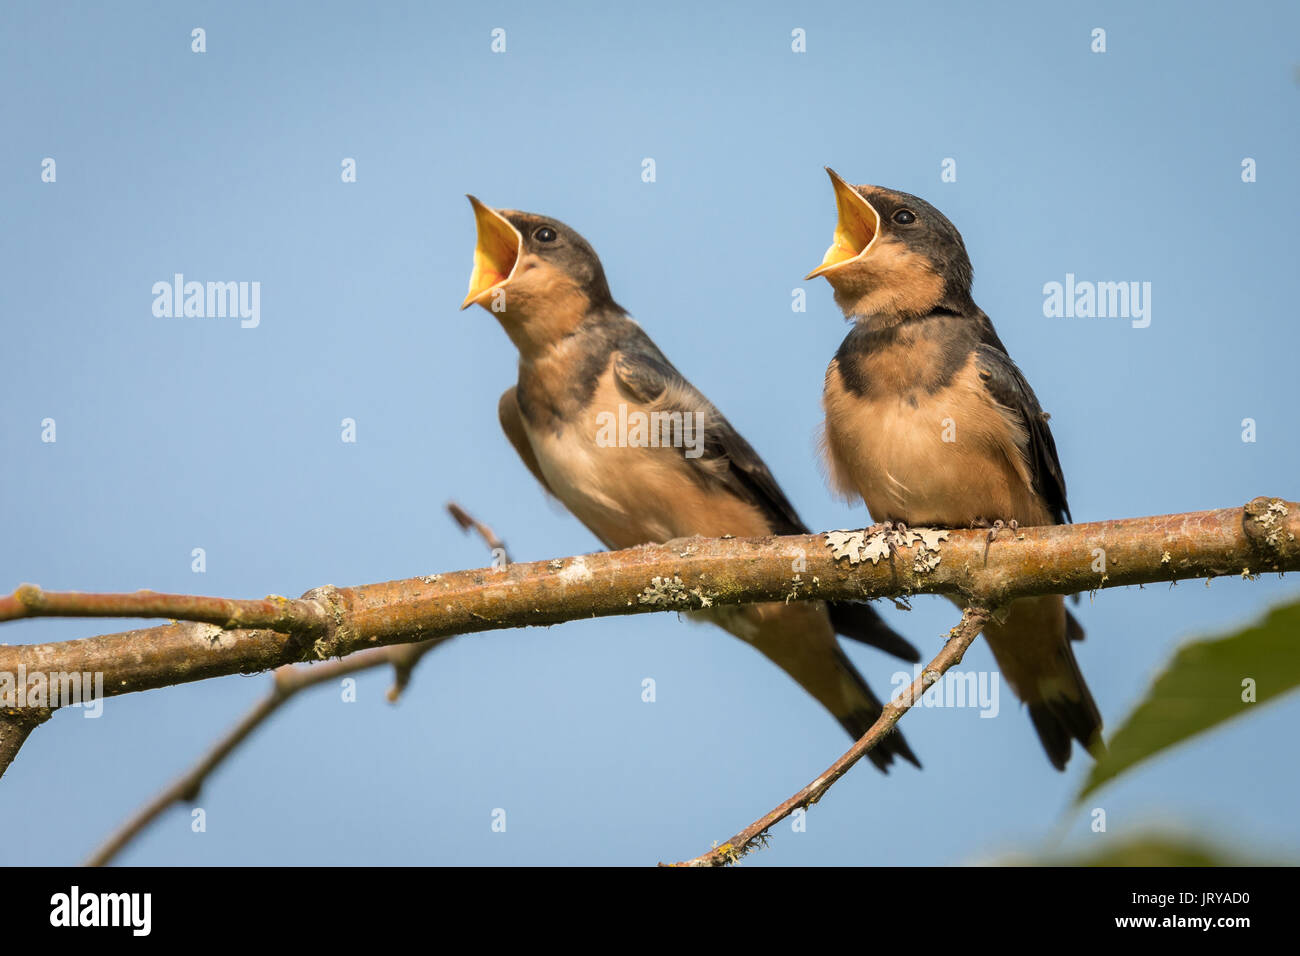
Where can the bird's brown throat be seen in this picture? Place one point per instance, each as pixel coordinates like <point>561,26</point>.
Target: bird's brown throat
<point>540,307</point>
<point>891,285</point>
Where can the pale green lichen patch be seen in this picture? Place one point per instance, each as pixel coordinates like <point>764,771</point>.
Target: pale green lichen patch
<point>1271,521</point>
<point>209,635</point>
<point>576,572</point>
<point>859,546</point>
<point>927,552</point>
<point>670,592</point>
<point>29,596</point>
<point>925,562</point>
<point>846,544</point>
<point>732,855</point>
<point>341,642</point>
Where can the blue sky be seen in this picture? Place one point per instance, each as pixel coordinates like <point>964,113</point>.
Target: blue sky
<point>177,433</point>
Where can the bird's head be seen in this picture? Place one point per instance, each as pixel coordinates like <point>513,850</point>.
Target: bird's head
<point>535,274</point>
<point>893,255</point>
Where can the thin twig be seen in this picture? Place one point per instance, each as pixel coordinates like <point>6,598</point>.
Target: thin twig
<point>468,523</point>
<point>289,680</point>
<point>406,656</point>
<point>755,835</point>
<point>274,612</point>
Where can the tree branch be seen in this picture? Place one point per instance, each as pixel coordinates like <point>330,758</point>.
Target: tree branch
<point>690,574</point>
<point>755,835</point>
<point>397,622</point>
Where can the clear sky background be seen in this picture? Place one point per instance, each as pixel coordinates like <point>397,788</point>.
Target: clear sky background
<point>177,433</point>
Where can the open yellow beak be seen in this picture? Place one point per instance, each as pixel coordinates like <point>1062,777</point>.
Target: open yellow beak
<point>856,228</point>
<point>495,255</point>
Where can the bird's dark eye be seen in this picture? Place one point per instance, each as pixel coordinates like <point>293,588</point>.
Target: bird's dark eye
<point>904,217</point>
<point>545,234</point>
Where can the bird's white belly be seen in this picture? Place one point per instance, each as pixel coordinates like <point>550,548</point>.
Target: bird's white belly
<point>617,492</point>
<point>903,464</point>
<point>930,464</point>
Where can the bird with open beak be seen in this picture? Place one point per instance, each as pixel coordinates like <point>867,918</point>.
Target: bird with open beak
<point>930,423</point>
<point>673,467</point>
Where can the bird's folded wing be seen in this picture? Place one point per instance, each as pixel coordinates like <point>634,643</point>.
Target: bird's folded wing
<point>1007,386</point>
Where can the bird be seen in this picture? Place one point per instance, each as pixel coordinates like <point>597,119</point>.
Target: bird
<point>589,379</point>
<point>930,423</point>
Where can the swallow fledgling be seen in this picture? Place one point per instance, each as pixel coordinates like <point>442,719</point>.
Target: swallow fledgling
<point>611,429</point>
<point>931,424</point>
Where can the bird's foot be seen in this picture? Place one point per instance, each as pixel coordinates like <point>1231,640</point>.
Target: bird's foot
<point>880,526</point>
<point>891,534</point>
<point>1013,526</point>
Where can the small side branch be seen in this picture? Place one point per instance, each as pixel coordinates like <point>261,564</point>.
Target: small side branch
<point>273,612</point>
<point>16,725</point>
<point>755,835</point>
<point>467,523</point>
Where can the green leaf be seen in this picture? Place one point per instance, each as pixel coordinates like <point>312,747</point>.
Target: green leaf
<point>1203,686</point>
<point>1152,849</point>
